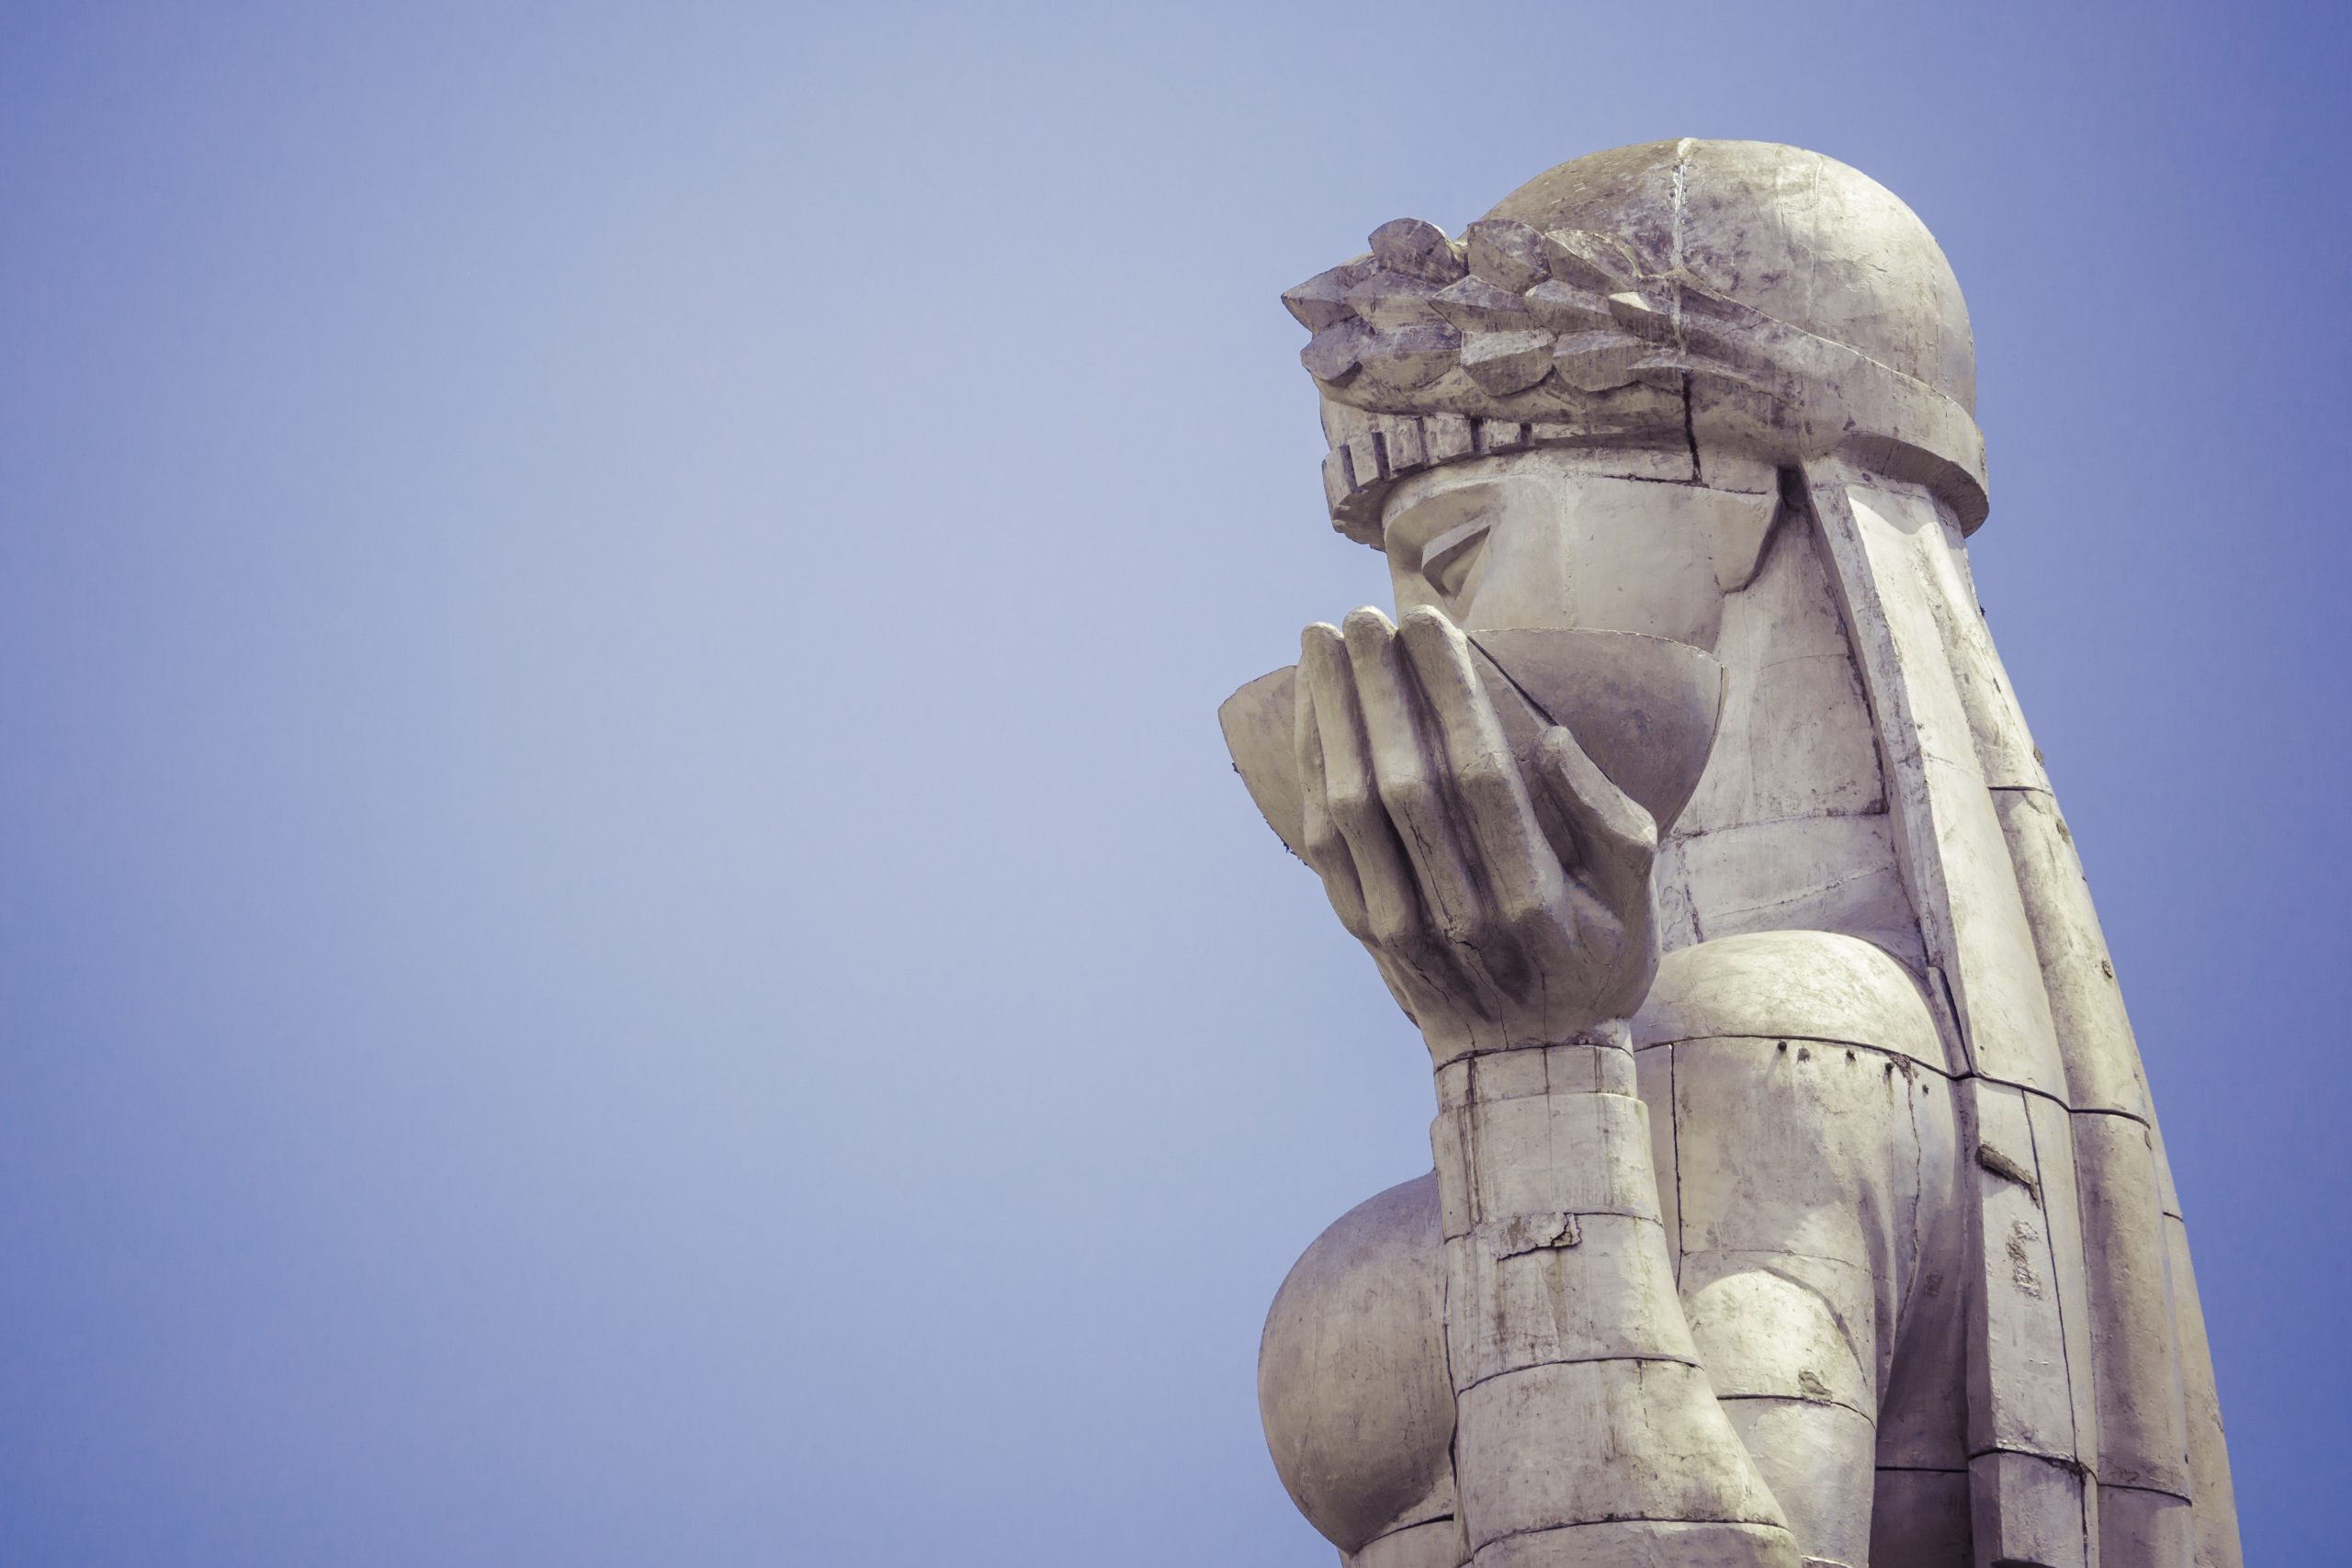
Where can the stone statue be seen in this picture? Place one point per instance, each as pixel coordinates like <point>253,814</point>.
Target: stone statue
<point>1798,1198</point>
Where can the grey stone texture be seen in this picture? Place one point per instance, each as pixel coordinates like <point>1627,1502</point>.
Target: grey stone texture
<point>1797,1197</point>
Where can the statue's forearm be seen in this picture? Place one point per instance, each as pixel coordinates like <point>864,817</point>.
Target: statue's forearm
<point>1498,1157</point>
<point>1582,1417</point>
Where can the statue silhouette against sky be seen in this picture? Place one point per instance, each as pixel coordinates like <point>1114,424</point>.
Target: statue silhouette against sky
<point>1797,1193</point>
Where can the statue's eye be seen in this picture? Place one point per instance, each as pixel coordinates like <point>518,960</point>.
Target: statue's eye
<point>1450,561</point>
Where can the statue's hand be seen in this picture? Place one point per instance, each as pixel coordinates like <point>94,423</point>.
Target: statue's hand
<point>1506,898</point>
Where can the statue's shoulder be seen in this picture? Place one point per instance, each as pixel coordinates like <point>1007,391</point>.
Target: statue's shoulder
<point>1792,985</point>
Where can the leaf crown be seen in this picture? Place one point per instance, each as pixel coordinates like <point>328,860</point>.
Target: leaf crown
<point>1429,349</point>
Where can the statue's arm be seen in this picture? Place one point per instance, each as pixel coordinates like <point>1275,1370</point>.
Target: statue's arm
<point>1506,898</point>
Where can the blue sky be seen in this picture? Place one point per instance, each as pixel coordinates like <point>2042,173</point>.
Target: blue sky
<point>624,937</point>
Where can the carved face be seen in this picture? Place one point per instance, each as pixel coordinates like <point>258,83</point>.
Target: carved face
<point>1588,540</point>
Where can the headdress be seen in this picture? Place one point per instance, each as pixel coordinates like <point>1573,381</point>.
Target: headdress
<point>1429,349</point>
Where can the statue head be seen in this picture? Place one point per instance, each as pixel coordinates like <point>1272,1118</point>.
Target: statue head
<point>1578,413</point>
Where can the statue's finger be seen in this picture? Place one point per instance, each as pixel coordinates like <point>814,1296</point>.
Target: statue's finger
<point>1393,911</point>
<point>1617,838</point>
<point>1518,863</point>
<point>1405,763</point>
<point>1391,902</point>
<point>1327,850</point>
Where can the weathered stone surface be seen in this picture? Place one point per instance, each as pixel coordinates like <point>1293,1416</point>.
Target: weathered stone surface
<point>1655,1075</point>
<point>1965,892</point>
<point>1795,1439</point>
<point>2142,1421</point>
<point>1923,1408</point>
<point>1434,1544</point>
<point>1568,1153</point>
<point>2216,1526</point>
<point>1534,1281</point>
<point>2136,1526</point>
<point>2062,1196</point>
<point>1645,1543</point>
<point>1825,873</point>
<point>1322,300</point>
<point>1416,249</point>
<point>2030,1510</point>
<point>1586,1442</point>
<point>1351,1371</point>
<point>2020,1397</point>
<point>1780,1324</point>
<point>1920,1519</point>
<point>1797,1194</point>
<point>1790,984</point>
<point>2086,1001</point>
<point>1507,361</point>
<point>1508,255</point>
<point>1796,740</point>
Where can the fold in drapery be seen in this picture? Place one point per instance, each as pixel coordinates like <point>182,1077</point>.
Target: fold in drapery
<point>2094,1431</point>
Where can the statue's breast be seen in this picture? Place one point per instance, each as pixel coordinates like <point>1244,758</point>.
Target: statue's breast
<point>1352,1375</point>
<point>1790,984</point>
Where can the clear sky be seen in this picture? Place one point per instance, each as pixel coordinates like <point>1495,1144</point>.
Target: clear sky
<point>624,936</point>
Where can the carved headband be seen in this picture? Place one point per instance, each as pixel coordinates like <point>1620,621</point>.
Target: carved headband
<point>1430,350</point>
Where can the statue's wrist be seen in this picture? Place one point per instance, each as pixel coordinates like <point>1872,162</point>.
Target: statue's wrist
<point>1595,1059</point>
<point>1551,1129</point>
